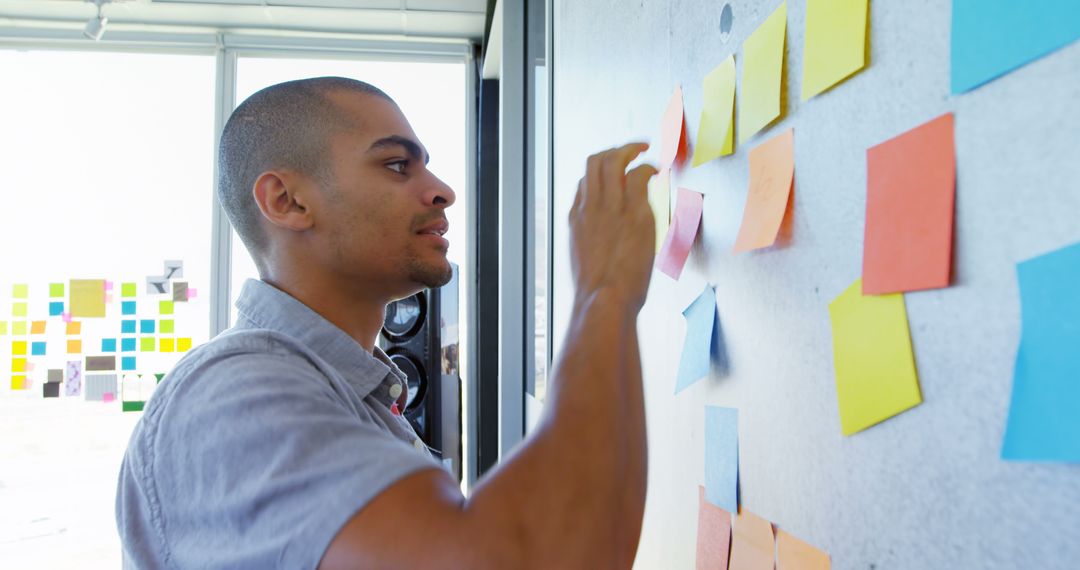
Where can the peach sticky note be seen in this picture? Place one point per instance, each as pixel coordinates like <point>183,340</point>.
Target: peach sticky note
<point>875,367</point>
<point>74,347</point>
<point>752,543</point>
<point>772,174</point>
<point>672,145</point>
<point>73,327</point>
<point>87,298</point>
<point>680,236</point>
<point>716,129</point>
<point>834,46</point>
<point>713,534</point>
<point>37,327</point>
<point>794,553</point>
<point>762,74</point>
<point>910,192</point>
<point>660,202</point>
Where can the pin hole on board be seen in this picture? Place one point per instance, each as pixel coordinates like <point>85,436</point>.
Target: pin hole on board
<point>727,20</point>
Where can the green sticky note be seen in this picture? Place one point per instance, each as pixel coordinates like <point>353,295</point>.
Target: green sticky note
<point>835,43</point>
<point>20,291</point>
<point>127,289</point>
<point>166,326</point>
<point>56,290</point>
<point>165,307</point>
<point>875,368</point>
<point>762,72</point>
<point>147,344</point>
<point>18,327</point>
<point>18,309</point>
<point>3,327</point>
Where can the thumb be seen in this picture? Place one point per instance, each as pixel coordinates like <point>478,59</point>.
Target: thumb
<point>637,183</point>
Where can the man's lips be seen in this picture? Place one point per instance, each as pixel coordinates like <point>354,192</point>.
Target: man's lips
<point>436,228</point>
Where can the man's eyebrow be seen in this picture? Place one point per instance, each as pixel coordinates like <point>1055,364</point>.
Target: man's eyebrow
<point>410,146</point>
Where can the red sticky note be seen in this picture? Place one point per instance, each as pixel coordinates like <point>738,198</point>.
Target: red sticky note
<point>672,144</point>
<point>910,193</point>
<point>794,553</point>
<point>713,534</point>
<point>772,174</point>
<point>752,543</point>
<point>680,236</point>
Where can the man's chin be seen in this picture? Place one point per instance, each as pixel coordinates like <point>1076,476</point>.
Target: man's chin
<point>432,275</point>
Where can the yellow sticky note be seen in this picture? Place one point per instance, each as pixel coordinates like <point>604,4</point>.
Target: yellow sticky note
<point>875,368</point>
<point>716,129</point>
<point>183,344</point>
<point>37,327</point>
<point>20,291</point>
<point>168,345</point>
<point>87,298</point>
<point>127,289</point>
<point>18,382</point>
<point>74,327</point>
<point>835,43</point>
<point>18,348</point>
<point>56,290</point>
<point>18,365</point>
<point>660,202</point>
<point>3,327</point>
<point>165,307</point>
<point>147,344</point>
<point>18,309</point>
<point>18,327</point>
<point>762,74</point>
<point>74,346</point>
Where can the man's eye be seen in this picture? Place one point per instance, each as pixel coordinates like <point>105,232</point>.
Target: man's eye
<point>398,166</point>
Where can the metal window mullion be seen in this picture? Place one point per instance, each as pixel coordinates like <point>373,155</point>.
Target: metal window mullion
<point>221,231</point>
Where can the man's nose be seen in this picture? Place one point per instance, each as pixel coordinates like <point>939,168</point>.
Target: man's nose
<point>438,194</point>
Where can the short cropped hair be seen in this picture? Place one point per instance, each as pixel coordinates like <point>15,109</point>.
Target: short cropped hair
<point>288,126</point>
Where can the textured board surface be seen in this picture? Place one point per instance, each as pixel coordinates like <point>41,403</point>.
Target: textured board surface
<point>926,489</point>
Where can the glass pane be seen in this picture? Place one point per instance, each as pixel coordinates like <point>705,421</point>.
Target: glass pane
<point>108,168</point>
<point>538,179</point>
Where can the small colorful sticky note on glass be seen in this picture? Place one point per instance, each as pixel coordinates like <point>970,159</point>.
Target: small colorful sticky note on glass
<point>127,326</point>
<point>127,363</point>
<point>180,291</point>
<point>716,129</point>
<point>672,137</point>
<point>183,344</point>
<point>127,345</point>
<point>37,348</point>
<point>722,457</point>
<point>18,328</point>
<point>910,191</point>
<point>192,293</point>
<point>37,327</point>
<point>20,291</point>
<point>56,308</point>
<point>127,307</point>
<point>127,289</point>
<point>18,309</point>
<point>713,534</point>
<point>74,346</point>
<point>167,345</point>
<point>993,37</point>
<point>794,553</point>
<point>18,347</point>
<point>146,326</point>
<point>18,365</point>
<point>752,543</point>
<point>762,74</point>
<point>3,327</point>
<point>875,367</point>
<point>165,307</point>
<point>1044,416</point>
<point>699,341</point>
<point>18,383</point>
<point>108,345</point>
<point>147,344</point>
<point>66,317</point>
<point>660,201</point>
<point>56,290</point>
<point>87,298</point>
<point>681,234</point>
<point>772,174</point>
<point>74,327</point>
<point>166,326</point>
<point>834,46</point>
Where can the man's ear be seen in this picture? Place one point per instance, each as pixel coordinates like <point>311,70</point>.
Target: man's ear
<point>282,199</point>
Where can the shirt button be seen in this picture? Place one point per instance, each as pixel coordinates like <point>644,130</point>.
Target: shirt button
<point>419,445</point>
<point>395,390</point>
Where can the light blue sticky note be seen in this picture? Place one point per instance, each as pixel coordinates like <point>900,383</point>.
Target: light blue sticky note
<point>700,326</point>
<point>127,345</point>
<point>127,307</point>
<point>1044,416</point>
<point>56,308</point>
<point>722,457</point>
<point>993,37</point>
<point>127,363</point>
<point>37,349</point>
<point>108,345</point>
<point>127,326</point>
<point>146,326</point>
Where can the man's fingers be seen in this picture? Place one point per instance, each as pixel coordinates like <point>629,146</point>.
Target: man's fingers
<point>614,171</point>
<point>637,184</point>
<point>578,197</point>
<point>593,198</point>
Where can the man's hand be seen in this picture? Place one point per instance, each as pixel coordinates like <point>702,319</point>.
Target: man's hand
<point>612,230</point>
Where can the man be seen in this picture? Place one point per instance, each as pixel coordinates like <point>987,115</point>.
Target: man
<point>276,444</point>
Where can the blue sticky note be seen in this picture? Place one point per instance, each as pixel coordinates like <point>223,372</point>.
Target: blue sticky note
<point>127,307</point>
<point>37,349</point>
<point>127,363</point>
<point>993,37</point>
<point>146,326</point>
<point>127,345</point>
<point>108,345</point>
<point>722,457</point>
<point>697,348</point>
<point>1044,416</point>
<point>127,326</point>
<point>56,308</point>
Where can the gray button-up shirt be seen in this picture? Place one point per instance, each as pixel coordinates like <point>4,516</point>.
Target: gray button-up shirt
<point>261,444</point>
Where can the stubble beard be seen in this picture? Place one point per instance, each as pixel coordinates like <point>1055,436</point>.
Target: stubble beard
<point>429,275</point>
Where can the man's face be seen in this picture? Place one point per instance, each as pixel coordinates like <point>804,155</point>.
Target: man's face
<point>382,210</point>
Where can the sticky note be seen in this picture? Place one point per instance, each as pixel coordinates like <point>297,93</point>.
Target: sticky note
<point>18,348</point>
<point>697,346</point>
<point>772,174</point>
<point>56,290</point>
<point>127,307</point>
<point>18,327</point>
<point>752,543</point>
<point>127,326</point>
<point>127,363</point>
<point>722,457</point>
<point>713,534</point>
<point>147,344</point>
<point>87,298</point>
<point>20,291</point>
<point>659,193</point>
<point>146,326</point>
<point>74,346</point>
<point>910,191</point>
<point>166,326</point>
<point>98,363</point>
<point>74,327</point>
<point>794,553</point>
<point>680,236</point>
<point>167,345</point>
<point>716,127</point>
<point>56,308</point>
<point>66,317</point>
<point>18,309</point>
<point>165,307</point>
<point>37,327</point>
<point>174,269</point>
<point>672,144</point>
<point>18,382</point>
<point>762,74</point>
<point>127,345</point>
<point>192,293</point>
<point>180,291</point>
<point>108,345</point>
<point>37,348</point>
<point>127,289</point>
<point>834,46</point>
<point>157,285</point>
<point>1044,414</point>
<point>183,344</point>
<point>3,327</point>
<point>993,37</point>
<point>18,365</point>
<point>875,367</point>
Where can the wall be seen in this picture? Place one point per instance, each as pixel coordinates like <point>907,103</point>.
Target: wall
<point>927,488</point>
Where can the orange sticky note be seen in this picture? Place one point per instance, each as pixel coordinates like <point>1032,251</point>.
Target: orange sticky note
<point>37,327</point>
<point>680,236</point>
<point>672,145</point>
<point>910,193</point>
<point>794,553</point>
<point>74,327</point>
<point>752,543</point>
<point>772,174</point>
<point>713,534</point>
<point>74,347</point>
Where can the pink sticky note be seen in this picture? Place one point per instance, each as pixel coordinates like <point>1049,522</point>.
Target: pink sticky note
<point>680,236</point>
<point>66,317</point>
<point>108,397</point>
<point>713,534</point>
<point>192,293</point>
<point>108,285</point>
<point>108,298</point>
<point>29,366</point>
<point>672,144</point>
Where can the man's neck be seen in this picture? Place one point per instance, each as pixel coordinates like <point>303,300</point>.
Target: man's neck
<point>360,316</point>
